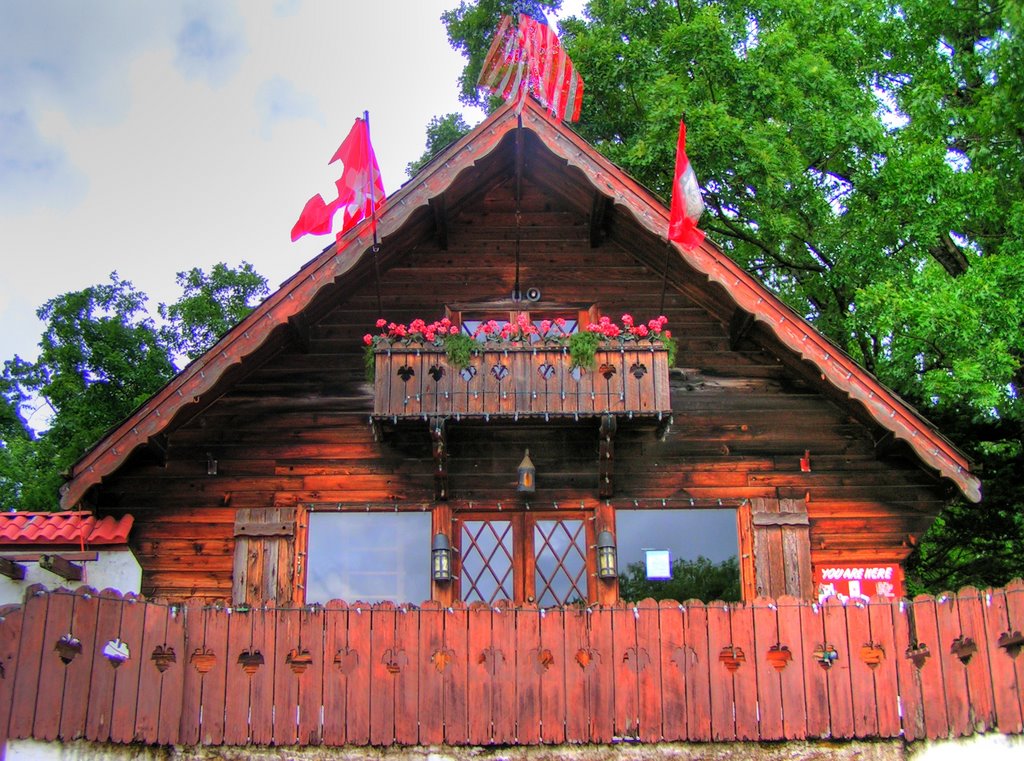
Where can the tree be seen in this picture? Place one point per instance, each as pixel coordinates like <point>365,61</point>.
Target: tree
<point>698,579</point>
<point>441,132</point>
<point>209,306</point>
<point>865,159</point>
<point>101,356</point>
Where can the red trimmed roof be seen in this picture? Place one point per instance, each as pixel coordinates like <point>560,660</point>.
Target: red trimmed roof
<point>80,528</point>
<point>199,378</point>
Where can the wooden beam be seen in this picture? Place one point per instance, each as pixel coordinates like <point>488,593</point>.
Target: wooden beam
<point>739,326</point>
<point>255,528</point>
<point>437,205</point>
<point>12,570</point>
<point>599,218</point>
<point>439,439</point>
<point>606,456</point>
<point>885,445</point>
<point>62,567</point>
<point>780,519</point>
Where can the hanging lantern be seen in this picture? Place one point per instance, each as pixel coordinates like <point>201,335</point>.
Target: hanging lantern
<point>441,558</point>
<point>527,475</point>
<point>606,560</point>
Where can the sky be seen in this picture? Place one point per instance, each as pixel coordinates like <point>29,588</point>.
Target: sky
<point>147,138</point>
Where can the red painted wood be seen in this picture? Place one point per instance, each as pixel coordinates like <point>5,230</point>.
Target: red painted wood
<point>886,684</point>
<point>29,661</point>
<point>651,689</point>
<point>601,683</point>
<point>338,662</point>
<point>192,680</point>
<point>433,662</point>
<point>769,678</point>
<point>481,660</point>
<point>11,619</point>
<point>671,656</point>
<point>456,718</point>
<point>791,678</point>
<point>623,662</point>
<point>383,660</point>
<point>862,682</point>
<point>1005,691</point>
<point>211,731</point>
<point>697,660</point>
<point>936,721</point>
<point>954,672</point>
<point>971,605</point>
<point>79,671</point>
<point>504,703</point>
<point>840,699</point>
<point>52,670</point>
<point>357,686</point>
<point>407,679</point>
<point>154,634</point>
<point>555,651</point>
<point>531,664</point>
<point>908,676</point>
<point>238,684</point>
<point>1014,592</point>
<point>126,681</point>
<point>580,658</point>
<point>723,724</point>
<point>745,678</point>
<point>311,638</point>
<point>101,688</point>
<point>261,683</point>
<point>286,682</point>
<point>812,629</point>
<point>173,679</point>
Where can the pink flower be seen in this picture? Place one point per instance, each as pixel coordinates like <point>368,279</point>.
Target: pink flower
<point>367,339</point>
<point>667,333</point>
<point>640,330</point>
<point>453,330</point>
<point>627,320</point>
<point>654,326</point>
<point>430,335</point>
<point>381,322</point>
<point>611,330</point>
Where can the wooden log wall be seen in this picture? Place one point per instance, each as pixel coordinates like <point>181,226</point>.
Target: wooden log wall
<point>108,668</point>
<point>295,431</point>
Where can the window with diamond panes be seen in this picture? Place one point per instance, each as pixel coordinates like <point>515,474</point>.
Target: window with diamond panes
<point>532,557</point>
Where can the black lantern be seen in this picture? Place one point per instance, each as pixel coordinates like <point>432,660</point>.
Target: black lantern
<point>606,563</point>
<point>441,558</point>
<point>527,475</point>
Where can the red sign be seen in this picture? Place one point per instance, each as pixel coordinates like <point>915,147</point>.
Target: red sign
<point>858,581</point>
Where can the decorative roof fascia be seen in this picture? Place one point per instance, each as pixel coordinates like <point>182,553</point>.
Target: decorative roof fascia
<point>199,377</point>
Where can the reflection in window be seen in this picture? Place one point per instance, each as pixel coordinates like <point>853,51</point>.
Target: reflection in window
<point>487,561</point>
<point>368,557</point>
<point>561,568</point>
<point>702,547</point>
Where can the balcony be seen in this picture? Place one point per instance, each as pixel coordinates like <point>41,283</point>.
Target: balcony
<point>521,382</point>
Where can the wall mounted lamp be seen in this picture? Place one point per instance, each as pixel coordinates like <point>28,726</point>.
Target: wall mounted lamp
<point>211,464</point>
<point>606,561</point>
<point>441,558</point>
<point>527,475</point>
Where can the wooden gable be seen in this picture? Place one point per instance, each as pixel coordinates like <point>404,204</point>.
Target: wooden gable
<point>282,408</point>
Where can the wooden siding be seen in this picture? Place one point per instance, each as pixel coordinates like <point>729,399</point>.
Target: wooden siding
<point>103,668</point>
<point>296,430</point>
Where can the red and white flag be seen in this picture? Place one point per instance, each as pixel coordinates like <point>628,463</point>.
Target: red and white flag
<point>529,58</point>
<point>360,189</point>
<point>687,204</point>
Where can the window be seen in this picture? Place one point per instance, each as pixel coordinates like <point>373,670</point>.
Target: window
<point>472,318</point>
<point>701,548</point>
<point>368,557</point>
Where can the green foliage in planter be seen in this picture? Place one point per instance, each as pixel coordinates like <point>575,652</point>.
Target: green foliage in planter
<point>459,348</point>
<point>369,363</point>
<point>670,346</point>
<point>582,348</point>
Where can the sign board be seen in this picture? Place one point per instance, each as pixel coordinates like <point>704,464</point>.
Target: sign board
<point>659,564</point>
<point>863,581</point>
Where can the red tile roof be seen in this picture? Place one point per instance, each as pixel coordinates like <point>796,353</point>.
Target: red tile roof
<point>80,528</point>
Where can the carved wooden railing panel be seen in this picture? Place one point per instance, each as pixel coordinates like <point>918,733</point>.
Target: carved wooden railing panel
<point>521,382</point>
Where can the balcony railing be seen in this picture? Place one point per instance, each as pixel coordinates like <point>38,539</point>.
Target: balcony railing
<point>521,381</point>
<point>112,669</point>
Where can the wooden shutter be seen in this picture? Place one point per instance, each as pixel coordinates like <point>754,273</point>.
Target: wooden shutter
<point>782,548</point>
<point>265,556</point>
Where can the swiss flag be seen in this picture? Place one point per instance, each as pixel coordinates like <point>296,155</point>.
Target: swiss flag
<point>687,204</point>
<point>360,190</point>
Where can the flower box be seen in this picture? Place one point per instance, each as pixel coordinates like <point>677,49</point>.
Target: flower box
<point>511,381</point>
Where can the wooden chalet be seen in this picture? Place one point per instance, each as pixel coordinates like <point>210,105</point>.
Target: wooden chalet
<point>270,475</point>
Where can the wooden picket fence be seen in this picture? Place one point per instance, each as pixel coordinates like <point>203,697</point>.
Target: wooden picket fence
<point>110,668</point>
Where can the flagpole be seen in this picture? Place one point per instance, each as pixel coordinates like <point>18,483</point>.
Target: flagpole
<point>373,215</point>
